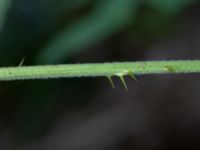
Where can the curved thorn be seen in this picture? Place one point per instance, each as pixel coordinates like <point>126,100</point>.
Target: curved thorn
<point>131,74</point>
<point>123,81</point>
<point>111,81</point>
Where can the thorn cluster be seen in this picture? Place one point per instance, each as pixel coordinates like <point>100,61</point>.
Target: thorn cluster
<point>122,79</point>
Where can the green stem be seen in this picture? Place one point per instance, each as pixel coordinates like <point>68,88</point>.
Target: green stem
<point>99,69</point>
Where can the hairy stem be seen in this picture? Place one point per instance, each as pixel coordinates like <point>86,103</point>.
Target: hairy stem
<point>99,69</point>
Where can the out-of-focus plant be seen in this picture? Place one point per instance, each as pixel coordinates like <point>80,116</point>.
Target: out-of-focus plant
<point>4,7</point>
<point>169,7</point>
<point>106,18</point>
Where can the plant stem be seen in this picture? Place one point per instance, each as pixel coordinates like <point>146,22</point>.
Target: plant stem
<point>99,69</point>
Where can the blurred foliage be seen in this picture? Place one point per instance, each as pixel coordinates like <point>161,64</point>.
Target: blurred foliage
<point>4,7</point>
<point>169,7</point>
<point>107,17</point>
<point>53,31</point>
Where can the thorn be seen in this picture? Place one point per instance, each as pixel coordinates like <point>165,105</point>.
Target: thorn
<point>111,81</point>
<point>21,62</point>
<point>132,76</point>
<point>170,69</point>
<point>123,81</point>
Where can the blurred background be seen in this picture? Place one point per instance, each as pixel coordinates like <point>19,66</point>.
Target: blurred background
<point>158,112</point>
